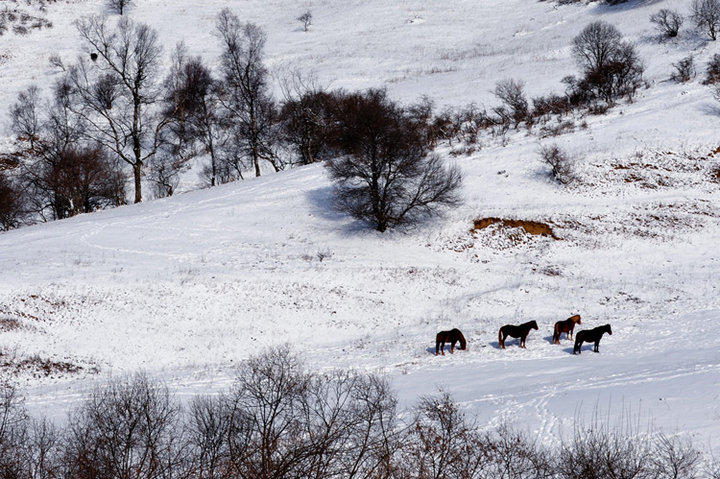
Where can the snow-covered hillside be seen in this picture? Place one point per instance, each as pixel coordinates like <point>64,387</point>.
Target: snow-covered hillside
<point>185,288</point>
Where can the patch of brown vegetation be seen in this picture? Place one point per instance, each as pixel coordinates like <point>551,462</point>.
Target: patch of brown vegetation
<point>532,227</point>
<point>36,366</point>
<point>9,324</point>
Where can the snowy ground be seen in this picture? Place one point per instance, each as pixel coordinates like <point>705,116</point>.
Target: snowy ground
<point>186,288</point>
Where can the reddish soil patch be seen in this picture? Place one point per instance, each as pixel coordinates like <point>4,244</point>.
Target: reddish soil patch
<point>531,227</point>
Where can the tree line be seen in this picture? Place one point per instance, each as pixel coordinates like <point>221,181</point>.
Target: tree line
<point>112,112</point>
<point>280,421</point>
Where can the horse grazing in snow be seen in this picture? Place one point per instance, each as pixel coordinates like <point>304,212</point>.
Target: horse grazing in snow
<point>566,327</point>
<point>520,331</point>
<point>589,336</point>
<point>453,336</point>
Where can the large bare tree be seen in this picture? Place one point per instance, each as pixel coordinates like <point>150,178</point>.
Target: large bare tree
<point>385,173</point>
<point>118,90</point>
<point>249,100</point>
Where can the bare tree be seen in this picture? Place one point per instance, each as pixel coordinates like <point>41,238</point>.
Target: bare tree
<point>10,203</point>
<point>265,431</point>
<point>610,65</point>
<point>193,101</point>
<point>386,174</point>
<point>706,15</point>
<point>667,21</point>
<point>208,437</point>
<point>119,6</point>
<point>116,94</point>
<point>512,94</point>
<point>441,442</point>
<point>306,20</point>
<point>249,103</point>
<point>125,430</point>
<point>305,118</point>
<point>60,172</point>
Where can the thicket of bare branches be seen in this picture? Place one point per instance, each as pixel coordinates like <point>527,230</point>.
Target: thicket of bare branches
<point>278,420</point>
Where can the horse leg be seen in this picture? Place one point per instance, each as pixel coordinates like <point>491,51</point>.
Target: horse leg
<point>452,347</point>
<point>597,346</point>
<point>501,339</point>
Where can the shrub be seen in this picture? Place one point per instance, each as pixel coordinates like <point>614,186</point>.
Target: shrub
<point>562,168</point>
<point>712,70</point>
<point>668,22</point>
<point>684,70</point>
<point>512,94</point>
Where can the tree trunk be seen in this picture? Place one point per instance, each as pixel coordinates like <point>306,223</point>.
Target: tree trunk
<point>137,174</point>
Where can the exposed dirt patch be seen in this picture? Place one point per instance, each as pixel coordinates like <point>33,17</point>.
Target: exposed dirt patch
<point>532,227</point>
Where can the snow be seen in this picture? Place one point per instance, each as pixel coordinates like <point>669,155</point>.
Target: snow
<point>185,288</point>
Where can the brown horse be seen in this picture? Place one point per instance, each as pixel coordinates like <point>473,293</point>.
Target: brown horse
<point>520,331</point>
<point>452,337</point>
<point>566,327</point>
<point>590,335</point>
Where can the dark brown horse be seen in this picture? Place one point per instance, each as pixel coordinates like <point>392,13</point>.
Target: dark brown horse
<point>452,337</point>
<point>566,327</point>
<point>520,331</point>
<point>589,336</point>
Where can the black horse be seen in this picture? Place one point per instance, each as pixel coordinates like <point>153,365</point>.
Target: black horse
<point>589,336</point>
<point>452,337</point>
<point>566,327</point>
<point>520,331</point>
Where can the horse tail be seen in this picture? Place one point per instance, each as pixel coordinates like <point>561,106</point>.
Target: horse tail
<point>556,333</point>
<point>500,338</point>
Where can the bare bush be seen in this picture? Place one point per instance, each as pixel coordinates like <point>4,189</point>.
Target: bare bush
<point>512,94</point>
<point>684,70</point>
<point>712,70</point>
<point>668,22</point>
<point>706,16</point>
<point>562,166</point>
<point>599,452</point>
<point>442,442</point>
<point>674,458</point>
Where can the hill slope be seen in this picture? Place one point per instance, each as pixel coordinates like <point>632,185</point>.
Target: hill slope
<point>184,288</point>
